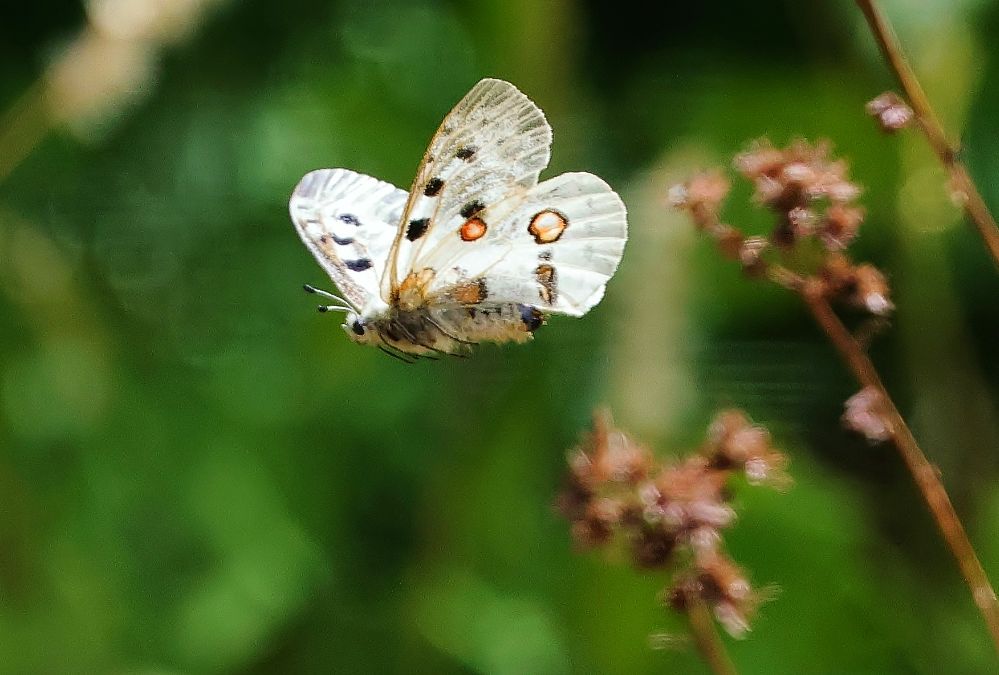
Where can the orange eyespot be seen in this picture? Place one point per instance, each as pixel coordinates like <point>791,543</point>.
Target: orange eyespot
<point>547,226</point>
<point>472,229</point>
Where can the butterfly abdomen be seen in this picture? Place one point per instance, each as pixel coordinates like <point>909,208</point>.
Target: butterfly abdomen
<point>502,322</point>
<point>416,332</point>
<point>434,330</point>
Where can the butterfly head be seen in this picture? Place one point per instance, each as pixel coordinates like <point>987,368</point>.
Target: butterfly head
<point>357,328</point>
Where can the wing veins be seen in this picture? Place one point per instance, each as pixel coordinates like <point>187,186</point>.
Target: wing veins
<point>507,113</point>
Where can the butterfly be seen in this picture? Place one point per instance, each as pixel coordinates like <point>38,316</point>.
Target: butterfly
<point>477,250</point>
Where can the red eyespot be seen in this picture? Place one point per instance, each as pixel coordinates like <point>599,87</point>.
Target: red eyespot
<point>472,229</point>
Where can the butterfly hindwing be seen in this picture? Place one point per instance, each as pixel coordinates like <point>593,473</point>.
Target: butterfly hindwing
<point>494,140</point>
<point>553,246</point>
<point>348,221</point>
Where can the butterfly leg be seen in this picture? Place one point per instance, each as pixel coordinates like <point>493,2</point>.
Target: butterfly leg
<point>412,338</point>
<point>391,353</point>
<point>395,352</point>
<point>449,334</point>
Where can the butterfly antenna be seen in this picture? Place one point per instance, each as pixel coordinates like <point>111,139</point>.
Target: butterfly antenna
<point>343,304</point>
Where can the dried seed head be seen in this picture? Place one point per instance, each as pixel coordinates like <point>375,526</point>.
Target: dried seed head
<point>890,111</point>
<point>587,534</point>
<point>705,543</point>
<point>733,439</point>
<point>840,191</point>
<point>653,548</point>
<point>702,196</point>
<point>761,159</point>
<point>747,443</point>
<point>608,454</point>
<point>768,469</point>
<point>863,286</point>
<point>872,290</point>
<point>866,412</point>
<point>800,183</point>
<point>840,226</point>
<point>734,621</point>
<point>725,423</point>
<point>671,514</point>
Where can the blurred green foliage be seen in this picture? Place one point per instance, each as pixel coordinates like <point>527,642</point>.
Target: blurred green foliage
<point>199,474</point>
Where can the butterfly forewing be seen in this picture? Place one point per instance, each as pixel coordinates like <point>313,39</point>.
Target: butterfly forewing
<point>348,221</point>
<point>494,141</point>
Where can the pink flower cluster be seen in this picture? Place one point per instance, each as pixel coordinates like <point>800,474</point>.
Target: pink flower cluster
<point>670,515</point>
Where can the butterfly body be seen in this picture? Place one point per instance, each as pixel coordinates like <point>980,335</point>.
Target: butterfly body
<point>427,330</point>
<point>478,250</point>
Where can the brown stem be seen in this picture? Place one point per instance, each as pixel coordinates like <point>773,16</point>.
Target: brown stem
<point>709,643</point>
<point>962,185</point>
<point>926,476</point>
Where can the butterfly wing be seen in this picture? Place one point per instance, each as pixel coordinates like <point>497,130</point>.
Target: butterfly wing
<point>553,246</point>
<point>494,140</point>
<point>348,221</point>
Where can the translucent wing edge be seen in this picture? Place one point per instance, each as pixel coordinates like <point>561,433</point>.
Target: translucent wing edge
<point>314,204</point>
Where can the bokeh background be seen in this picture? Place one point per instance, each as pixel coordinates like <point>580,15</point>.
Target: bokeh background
<point>199,474</point>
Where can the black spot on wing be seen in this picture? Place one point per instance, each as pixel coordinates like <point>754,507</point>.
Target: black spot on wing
<point>532,318</point>
<point>472,208</point>
<point>433,187</point>
<point>466,152</point>
<point>350,219</point>
<point>324,239</point>
<point>417,228</point>
<point>358,265</point>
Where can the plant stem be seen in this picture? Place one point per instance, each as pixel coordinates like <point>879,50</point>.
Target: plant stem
<point>924,473</point>
<point>22,127</point>
<point>709,643</point>
<point>962,185</point>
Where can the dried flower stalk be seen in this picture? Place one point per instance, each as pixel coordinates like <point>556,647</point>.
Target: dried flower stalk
<point>108,65</point>
<point>963,187</point>
<point>924,473</point>
<point>708,642</point>
<point>812,200</point>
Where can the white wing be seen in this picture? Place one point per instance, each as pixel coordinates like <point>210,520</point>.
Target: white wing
<point>348,221</point>
<point>553,246</point>
<point>494,140</point>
